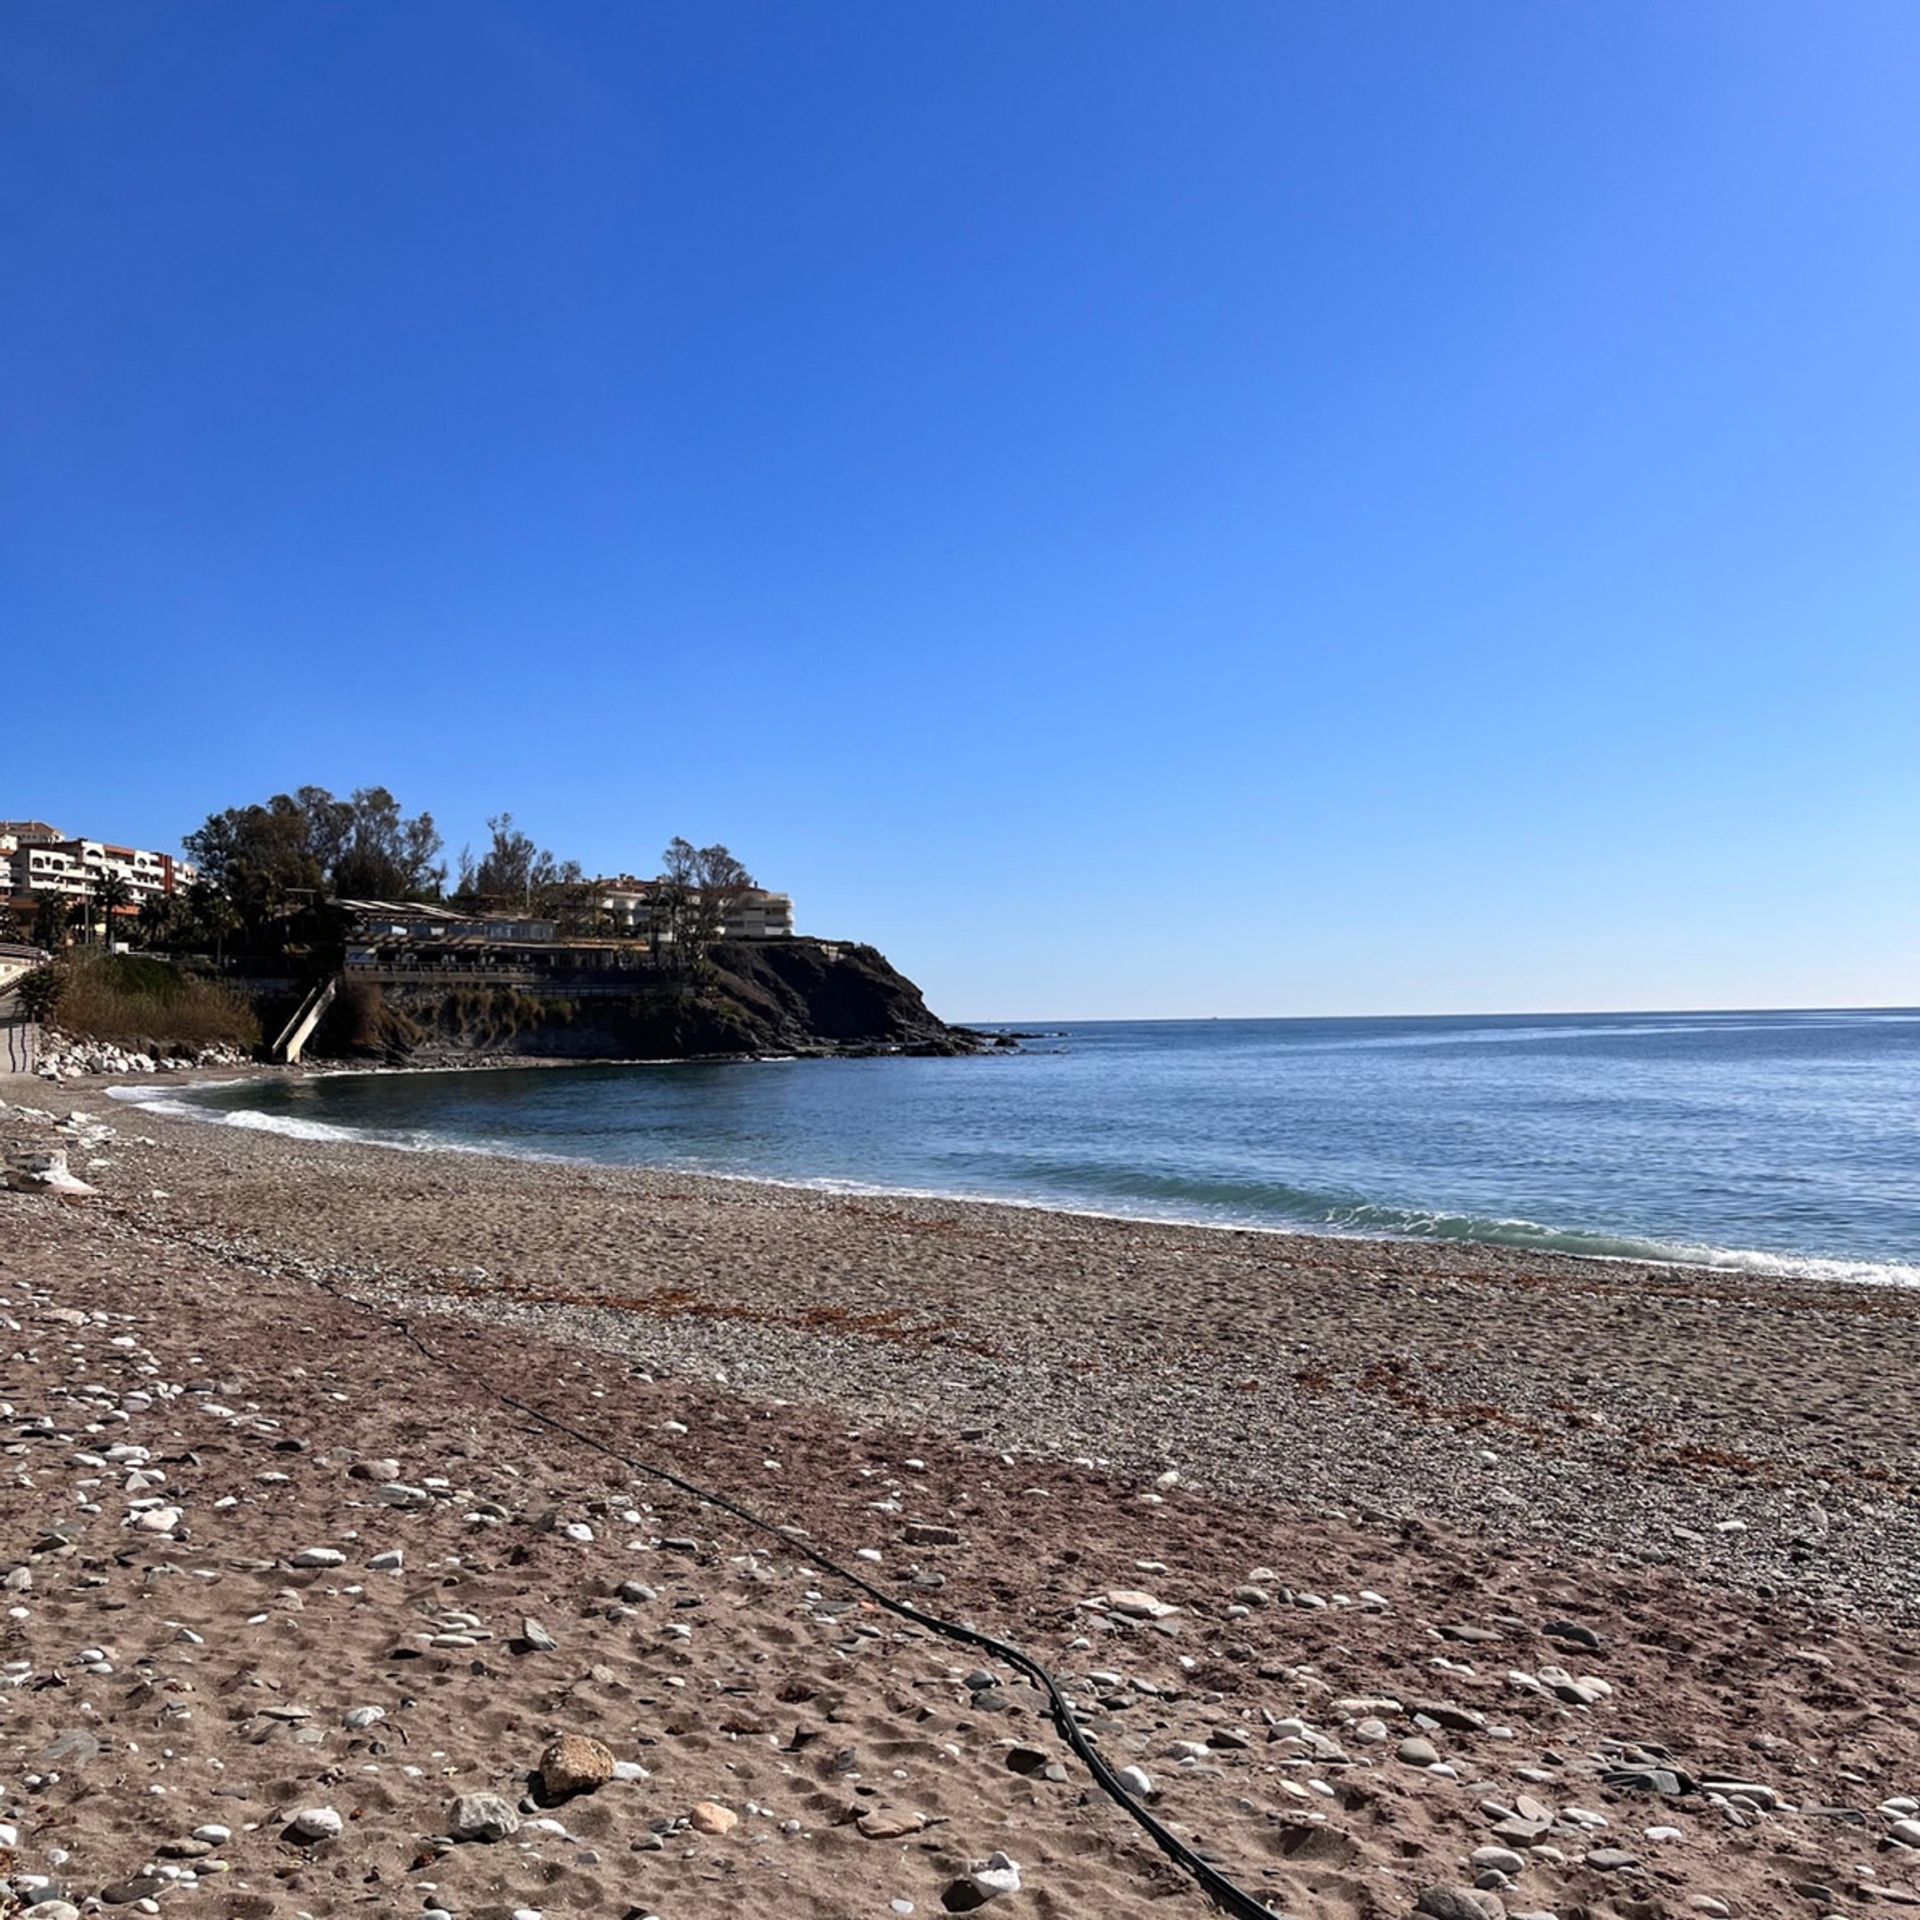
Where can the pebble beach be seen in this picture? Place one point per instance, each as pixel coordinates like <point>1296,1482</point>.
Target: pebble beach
<point>1398,1578</point>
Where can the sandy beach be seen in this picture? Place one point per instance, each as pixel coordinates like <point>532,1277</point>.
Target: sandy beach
<point>1410,1577</point>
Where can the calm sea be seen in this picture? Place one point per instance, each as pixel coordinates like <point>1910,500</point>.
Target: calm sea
<point>1754,1139</point>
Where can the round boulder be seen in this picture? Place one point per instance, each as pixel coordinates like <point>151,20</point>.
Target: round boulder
<point>575,1764</point>
<point>482,1816</point>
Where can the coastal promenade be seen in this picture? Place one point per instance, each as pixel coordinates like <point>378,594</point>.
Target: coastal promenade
<point>1400,1573</point>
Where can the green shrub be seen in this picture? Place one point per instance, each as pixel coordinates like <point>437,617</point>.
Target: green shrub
<point>40,991</point>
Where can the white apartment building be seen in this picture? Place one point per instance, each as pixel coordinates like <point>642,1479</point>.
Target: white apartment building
<point>756,914</point>
<point>37,860</point>
<point>747,913</point>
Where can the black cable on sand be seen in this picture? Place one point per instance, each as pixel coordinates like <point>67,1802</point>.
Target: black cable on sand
<point>1224,1893</point>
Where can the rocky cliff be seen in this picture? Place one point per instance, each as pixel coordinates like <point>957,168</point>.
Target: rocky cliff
<point>753,997</point>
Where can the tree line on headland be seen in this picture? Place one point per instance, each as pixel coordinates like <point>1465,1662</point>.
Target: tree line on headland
<point>278,908</point>
<point>268,870</point>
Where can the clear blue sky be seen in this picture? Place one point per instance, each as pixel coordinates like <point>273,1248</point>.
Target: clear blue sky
<point>1136,509</point>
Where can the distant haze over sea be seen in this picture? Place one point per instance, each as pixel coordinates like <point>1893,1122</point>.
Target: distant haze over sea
<point>1761,1140</point>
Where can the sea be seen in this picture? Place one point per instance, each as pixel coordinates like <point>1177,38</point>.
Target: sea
<point>1782,1141</point>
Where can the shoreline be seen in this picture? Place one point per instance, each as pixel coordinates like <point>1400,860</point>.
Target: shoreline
<point>1758,1263</point>
<point>839,1265</point>
<point>1436,1553</point>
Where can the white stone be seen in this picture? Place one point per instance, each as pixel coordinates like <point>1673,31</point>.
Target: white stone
<point>1136,1605</point>
<point>994,1876</point>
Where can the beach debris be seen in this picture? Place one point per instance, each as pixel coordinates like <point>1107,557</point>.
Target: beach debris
<point>43,1170</point>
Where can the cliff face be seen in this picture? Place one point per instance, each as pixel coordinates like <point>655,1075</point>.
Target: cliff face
<point>804,994</point>
<point>755,997</point>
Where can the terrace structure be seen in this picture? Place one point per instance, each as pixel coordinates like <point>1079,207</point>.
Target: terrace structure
<point>411,935</point>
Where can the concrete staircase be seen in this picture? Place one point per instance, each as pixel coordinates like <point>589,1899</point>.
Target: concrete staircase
<point>299,1030</point>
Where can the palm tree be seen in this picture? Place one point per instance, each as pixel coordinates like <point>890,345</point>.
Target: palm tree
<point>110,894</point>
<point>159,916</point>
<point>213,918</point>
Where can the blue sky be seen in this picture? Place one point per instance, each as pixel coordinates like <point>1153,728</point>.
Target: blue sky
<point>1136,509</point>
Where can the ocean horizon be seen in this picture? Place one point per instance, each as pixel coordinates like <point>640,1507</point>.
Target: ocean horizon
<point>1764,1140</point>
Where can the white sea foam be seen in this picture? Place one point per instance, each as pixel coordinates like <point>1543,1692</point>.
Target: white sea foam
<point>166,1102</point>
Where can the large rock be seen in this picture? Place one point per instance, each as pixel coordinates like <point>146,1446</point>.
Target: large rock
<point>888,1823</point>
<point>482,1816</point>
<point>994,1876</point>
<point>42,1170</point>
<point>575,1764</point>
<point>709,1816</point>
<point>316,1823</point>
<point>1136,1605</point>
<point>1458,1903</point>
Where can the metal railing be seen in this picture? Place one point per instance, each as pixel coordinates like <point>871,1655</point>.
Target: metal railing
<point>431,976</point>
